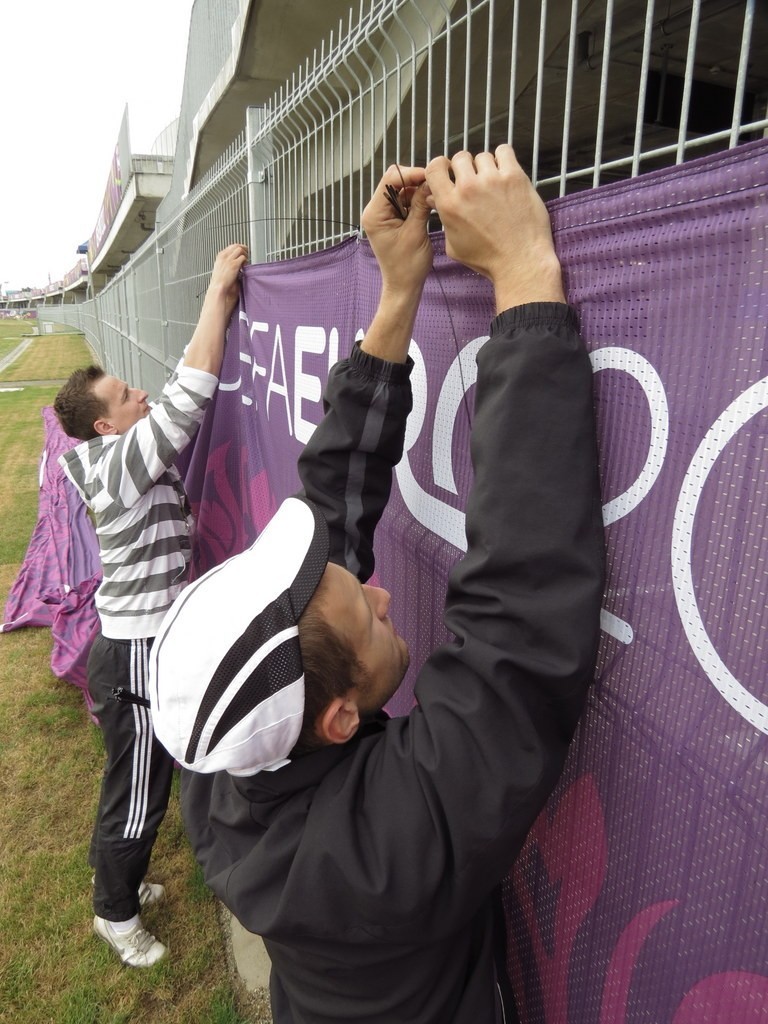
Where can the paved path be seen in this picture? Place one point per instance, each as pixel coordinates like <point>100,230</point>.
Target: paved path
<point>14,354</point>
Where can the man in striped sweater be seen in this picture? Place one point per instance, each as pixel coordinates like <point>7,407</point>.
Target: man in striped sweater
<point>124,472</point>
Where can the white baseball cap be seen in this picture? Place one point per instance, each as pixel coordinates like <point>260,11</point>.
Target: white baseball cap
<point>226,679</point>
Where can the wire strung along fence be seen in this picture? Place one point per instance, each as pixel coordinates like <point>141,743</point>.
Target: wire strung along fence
<point>588,91</point>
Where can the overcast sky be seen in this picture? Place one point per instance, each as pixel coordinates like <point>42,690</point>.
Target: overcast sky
<point>66,72</point>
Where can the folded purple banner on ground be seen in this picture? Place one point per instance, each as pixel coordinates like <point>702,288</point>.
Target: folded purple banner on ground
<point>641,894</point>
<point>61,570</point>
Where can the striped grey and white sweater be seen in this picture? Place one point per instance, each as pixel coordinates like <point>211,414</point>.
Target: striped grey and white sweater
<point>143,519</point>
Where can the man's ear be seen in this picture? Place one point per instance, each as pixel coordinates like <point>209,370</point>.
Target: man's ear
<point>340,720</point>
<point>104,427</point>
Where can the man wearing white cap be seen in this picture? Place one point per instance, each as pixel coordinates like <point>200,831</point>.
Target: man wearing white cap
<point>368,851</point>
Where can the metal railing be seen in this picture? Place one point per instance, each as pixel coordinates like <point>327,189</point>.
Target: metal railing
<point>139,324</point>
<point>588,91</point>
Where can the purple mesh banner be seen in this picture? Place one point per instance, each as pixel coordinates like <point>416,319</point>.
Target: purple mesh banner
<point>641,894</point>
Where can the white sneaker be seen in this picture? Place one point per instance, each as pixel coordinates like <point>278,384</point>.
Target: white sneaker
<point>150,893</point>
<point>137,948</point>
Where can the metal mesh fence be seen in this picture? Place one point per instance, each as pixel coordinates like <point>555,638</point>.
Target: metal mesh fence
<point>139,324</point>
<point>588,91</point>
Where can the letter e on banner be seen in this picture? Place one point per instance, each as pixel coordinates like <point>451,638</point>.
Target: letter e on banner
<point>279,387</point>
<point>306,387</point>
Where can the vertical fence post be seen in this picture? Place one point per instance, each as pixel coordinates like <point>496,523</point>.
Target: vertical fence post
<point>161,306</point>
<point>131,365</point>
<point>259,194</point>
<point>91,310</point>
<point>132,322</point>
<point>741,78</point>
<point>101,349</point>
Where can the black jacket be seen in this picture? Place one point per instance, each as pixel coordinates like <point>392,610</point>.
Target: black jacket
<point>369,868</point>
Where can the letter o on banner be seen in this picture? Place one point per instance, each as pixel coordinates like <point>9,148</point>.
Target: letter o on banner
<point>648,379</point>
<point>738,413</point>
<point>439,517</point>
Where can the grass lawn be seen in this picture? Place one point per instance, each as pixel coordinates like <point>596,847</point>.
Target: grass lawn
<point>52,968</point>
<point>16,329</point>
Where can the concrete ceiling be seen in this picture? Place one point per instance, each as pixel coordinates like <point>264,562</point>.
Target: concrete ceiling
<point>279,36</point>
<point>135,219</point>
<point>715,71</point>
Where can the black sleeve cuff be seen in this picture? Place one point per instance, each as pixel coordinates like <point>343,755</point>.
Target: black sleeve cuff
<point>534,314</point>
<point>379,369</point>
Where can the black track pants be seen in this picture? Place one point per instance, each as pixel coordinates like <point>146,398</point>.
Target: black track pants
<point>136,782</point>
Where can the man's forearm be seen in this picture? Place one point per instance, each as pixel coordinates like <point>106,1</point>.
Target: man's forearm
<point>389,335</point>
<point>531,582</point>
<point>206,349</point>
<point>346,467</point>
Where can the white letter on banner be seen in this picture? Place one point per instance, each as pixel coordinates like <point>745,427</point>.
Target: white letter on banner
<point>738,413</point>
<point>648,379</point>
<point>333,347</point>
<point>306,387</point>
<point>462,374</point>
<point>256,326</point>
<point>282,388</point>
<point>442,519</point>
<point>244,358</point>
